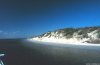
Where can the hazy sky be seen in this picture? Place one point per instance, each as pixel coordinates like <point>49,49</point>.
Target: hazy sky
<point>25,18</point>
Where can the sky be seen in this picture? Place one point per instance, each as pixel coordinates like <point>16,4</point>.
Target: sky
<point>27,18</point>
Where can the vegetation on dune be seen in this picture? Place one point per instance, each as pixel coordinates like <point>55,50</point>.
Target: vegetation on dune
<point>68,32</point>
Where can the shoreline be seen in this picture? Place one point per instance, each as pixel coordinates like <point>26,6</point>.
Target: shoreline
<point>65,43</point>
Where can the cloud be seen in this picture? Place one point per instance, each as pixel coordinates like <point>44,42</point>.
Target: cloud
<point>5,33</point>
<point>15,32</point>
<point>1,31</point>
<point>9,33</point>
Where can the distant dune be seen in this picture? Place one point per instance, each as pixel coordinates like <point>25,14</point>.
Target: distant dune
<point>71,35</point>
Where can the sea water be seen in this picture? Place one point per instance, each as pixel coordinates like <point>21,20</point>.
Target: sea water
<point>23,52</point>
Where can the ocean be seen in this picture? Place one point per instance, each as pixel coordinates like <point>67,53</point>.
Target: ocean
<point>23,52</point>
